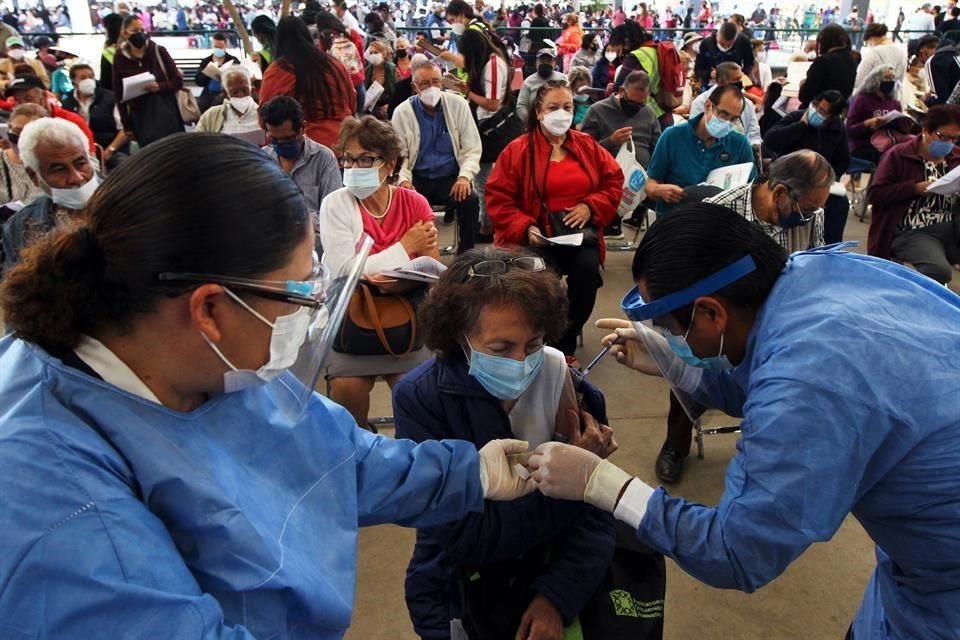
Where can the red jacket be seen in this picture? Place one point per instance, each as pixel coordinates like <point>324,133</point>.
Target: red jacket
<point>280,80</point>
<point>513,204</point>
<point>892,191</point>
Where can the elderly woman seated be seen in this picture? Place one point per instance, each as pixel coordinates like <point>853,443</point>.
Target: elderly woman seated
<point>238,112</point>
<point>908,222</point>
<point>535,561</point>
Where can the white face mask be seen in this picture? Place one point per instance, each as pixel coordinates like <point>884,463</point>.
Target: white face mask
<point>557,122</point>
<point>430,96</point>
<point>610,56</point>
<point>16,54</point>
<point>696,46</point>
<point>87,86</point>
<point>722,48</point>
<point>287,336</point>
<point>244,104</point>
<point>375,58</point>
<point>362,183</point>
<point>458,28</point>
<point>75,198</point>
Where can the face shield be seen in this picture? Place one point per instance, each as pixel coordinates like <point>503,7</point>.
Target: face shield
<point>651,320</point>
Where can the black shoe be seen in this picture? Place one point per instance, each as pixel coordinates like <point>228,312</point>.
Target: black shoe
<point>449,216</point>
<point>613,232</point>
<point>635,221</point>
<point>669,465</point>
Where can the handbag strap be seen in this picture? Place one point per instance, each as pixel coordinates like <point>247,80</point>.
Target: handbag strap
<point>374,316</point>
<point>163,67</point>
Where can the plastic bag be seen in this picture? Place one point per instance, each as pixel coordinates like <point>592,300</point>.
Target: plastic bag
<point>634,180</point>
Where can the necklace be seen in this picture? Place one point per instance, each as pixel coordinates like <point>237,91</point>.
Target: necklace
<point>386,209</point>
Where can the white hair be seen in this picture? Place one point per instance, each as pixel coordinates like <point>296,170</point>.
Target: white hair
<point>51,131</point>
<point>234,70</point>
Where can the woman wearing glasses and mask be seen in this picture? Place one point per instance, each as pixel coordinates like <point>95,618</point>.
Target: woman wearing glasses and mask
<point>489,319</point>
<point>166,472</point>
<point>401,223</point>
<point>908,222</point>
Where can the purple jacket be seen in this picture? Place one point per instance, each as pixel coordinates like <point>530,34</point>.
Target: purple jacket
<point>892,191</point>
<point>864,107</point>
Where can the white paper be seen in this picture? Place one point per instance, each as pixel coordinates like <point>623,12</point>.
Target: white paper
<point>212,71</point>
<point>13,205</point>
<point>890,116</point>
<point>254,136</point>
<point>422,269</point>
<point>948,184</point>
<point>796,74</point>
<point>136,86</point>
<point>730,177</point>
<point>569,240</point>
<point>374,91</point>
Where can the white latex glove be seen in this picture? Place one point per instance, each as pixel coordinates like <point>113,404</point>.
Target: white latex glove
<point>643,352</point>
<point>498,474</point>
<point>567,472</point>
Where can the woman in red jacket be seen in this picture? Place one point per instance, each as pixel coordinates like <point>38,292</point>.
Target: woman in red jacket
<point>554,169</point>
<point>316,80</point>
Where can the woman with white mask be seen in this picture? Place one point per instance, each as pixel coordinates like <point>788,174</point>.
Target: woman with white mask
<point>401,223</point>
<point>556,181</point>
<point>238,112</point>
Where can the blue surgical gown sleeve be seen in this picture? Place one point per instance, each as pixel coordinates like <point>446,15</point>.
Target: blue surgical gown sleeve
<point>720,390</point>
<point>796,474</point>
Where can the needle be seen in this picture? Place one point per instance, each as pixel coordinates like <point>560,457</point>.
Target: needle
<point>605,351</point>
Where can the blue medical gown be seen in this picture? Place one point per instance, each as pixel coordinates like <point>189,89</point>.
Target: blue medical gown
<point>227,522</point>
<point>850,398</point>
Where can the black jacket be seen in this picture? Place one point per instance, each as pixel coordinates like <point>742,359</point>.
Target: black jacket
<point>710,56</point>
<point>945,69</point>
<point>790,134</point>
<point>204,81</point>
<point>100,119</point>
<point>835,70</point>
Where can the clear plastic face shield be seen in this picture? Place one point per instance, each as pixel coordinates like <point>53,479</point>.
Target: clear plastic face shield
<point>652,320</point>
<point>324,297</point>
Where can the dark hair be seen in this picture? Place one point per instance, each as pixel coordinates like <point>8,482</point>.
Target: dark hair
<point>374,22</point>
<point>130,19</point>
<point>875,30</point>
<point>327,21</point>
<point>219,36</point>
<point>155,213</point>
<point>538,9</point>
<point>76,67</point>
<point>282,109</point>
<point>453,306</point>
<point>476,47</point>
<point>460,8</point>
<point>533,123</point>
<point>728,31</point>
<point>942,115</point>
<point>773,93</point>
<point>264,25</point>
<point>955,12</point>
<point>831,37</point>
<point>698,240</point>
<point>834,98</point>
<point>717,94</point>
<point>113,25</point>
<point>588,41</point>
<point>629,35</point>
<point>319,81</point>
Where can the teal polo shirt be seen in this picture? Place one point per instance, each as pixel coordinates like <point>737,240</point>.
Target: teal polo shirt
<point>681,158</point>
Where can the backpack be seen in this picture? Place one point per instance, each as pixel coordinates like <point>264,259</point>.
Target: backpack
<point>671,74</point>
<point>345,51</point>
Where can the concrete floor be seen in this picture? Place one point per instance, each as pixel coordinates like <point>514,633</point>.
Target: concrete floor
<point>816,598</point>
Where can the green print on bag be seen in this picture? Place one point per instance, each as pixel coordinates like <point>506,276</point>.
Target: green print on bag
<point>625,604</point>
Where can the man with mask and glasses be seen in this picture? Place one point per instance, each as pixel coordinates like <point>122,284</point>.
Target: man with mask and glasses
<point>618,119</point>
<point>441,149</point>
<point>730,73</point>
<point>546,72</point>
<point>840,367</point>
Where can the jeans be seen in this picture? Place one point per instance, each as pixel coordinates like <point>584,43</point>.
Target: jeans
<point>931,250</point>
<point>437,192</point>
<point>581,265</point>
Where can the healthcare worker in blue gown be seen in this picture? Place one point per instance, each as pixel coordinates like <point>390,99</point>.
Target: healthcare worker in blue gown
<point>846,372</point>
<point>163,475</point>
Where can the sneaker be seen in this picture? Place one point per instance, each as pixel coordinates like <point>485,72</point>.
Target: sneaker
<point>635,221</point>
<point>613,232</point>
<point>449,216</point>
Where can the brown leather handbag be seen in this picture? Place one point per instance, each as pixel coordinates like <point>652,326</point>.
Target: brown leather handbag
<point>380,324</point>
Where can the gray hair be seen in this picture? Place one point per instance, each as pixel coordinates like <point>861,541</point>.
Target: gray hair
<point>726,69</point>
<point>636,80</point>
<point>55,132</point>
<point>424,63</point>
<point>28,109</point>
<point>800,172</point>
<point>234,70</point>
<point>871,83</point>
<point>579,74</point>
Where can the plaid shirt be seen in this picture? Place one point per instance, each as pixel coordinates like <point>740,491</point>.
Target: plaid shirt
<point>802,238</point>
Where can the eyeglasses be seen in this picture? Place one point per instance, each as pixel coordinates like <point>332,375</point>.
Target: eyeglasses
<point>946,138</point>
<point>426,84</point>
<point>363,162</point>
<point>306,293</point>
<point>487,268</point>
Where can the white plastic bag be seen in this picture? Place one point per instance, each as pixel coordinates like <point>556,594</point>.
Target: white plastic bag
<point>634,179</point>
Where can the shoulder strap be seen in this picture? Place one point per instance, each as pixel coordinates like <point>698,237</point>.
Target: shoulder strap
<point>163,67</point>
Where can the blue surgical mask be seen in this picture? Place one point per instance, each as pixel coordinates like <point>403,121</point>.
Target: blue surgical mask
<point>362,183</point>
<point>940,148</point>
<point>680,348</point>
<point>581,98</point>
<point>287,150</point>
<point>814,117</point>
<point>505,378</point>
<point>219,53</point>
<point>718,128</point>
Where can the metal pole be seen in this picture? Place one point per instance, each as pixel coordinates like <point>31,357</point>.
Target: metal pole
<point>241,28</point>
<point>285,9</point>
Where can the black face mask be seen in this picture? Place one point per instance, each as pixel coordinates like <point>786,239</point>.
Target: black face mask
<point>401,53</point>
<point>738,85</point>
<point>629,107</point>
<point>887,86</point>
<point>138,40</point>
<point>14,138</point>
<point>545,71</point>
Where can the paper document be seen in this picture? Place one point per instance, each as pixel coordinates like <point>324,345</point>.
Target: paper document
<point>796,74</point>
<point>255,137</point>
<point>947,185</point>
<point>136,86</point>
<point>890,116</point>
<point>374,91</point>
<point>569,240</point>
<point>422,269</point>
<point>730,177</point>
<point>212,71</point>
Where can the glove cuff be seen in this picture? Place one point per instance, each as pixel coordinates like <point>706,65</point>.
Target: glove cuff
<point>484,480</point>
<point>605,484</point>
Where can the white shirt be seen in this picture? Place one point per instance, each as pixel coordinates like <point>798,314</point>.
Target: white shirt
<point>534,416</point>
<point>489,90</point>
<point>234,122</point>
<point>112,369</point>
<point>920,21</point>
<point>751,127</point>
<point>873,57</point>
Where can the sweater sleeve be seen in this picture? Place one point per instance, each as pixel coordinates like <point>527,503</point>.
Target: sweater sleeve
<point>787,135</point>
<point>503,196</point>
<point>605,199</point>
<point>888,185</point>
<point>173,81</point>
<point>859,113</point>
<point>471,146</point>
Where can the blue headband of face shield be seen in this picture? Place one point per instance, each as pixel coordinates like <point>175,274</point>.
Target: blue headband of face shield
<point>638,310</point>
